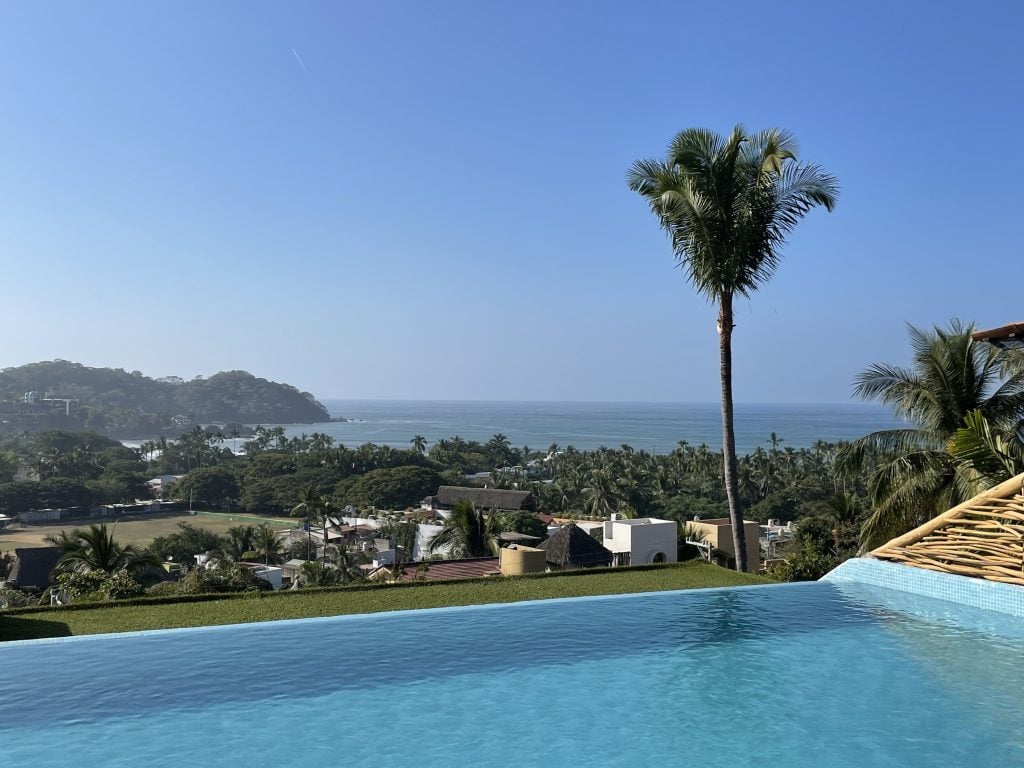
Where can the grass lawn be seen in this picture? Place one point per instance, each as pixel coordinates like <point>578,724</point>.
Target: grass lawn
<point>138,529</point>
<point>293,605</point>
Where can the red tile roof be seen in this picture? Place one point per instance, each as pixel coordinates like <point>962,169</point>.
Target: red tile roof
<point>441,570</point>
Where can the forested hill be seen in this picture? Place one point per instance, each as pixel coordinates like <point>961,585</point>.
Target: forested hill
<point>113,393</point>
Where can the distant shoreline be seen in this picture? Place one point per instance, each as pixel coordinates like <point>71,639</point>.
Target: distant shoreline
<point>654,427</point>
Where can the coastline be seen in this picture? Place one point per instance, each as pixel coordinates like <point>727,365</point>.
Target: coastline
<point>654,427</point>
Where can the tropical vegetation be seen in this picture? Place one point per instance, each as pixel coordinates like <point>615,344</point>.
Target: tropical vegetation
<point>468,532</point>
<point>963,402</point>
<point>727,204</point>
<point>116,402</point>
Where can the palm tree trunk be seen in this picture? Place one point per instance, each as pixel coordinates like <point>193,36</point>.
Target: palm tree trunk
<point>739,539</point>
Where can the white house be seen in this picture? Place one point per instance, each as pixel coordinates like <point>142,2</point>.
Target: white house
<point>641,541</point>
<point>160,484</point>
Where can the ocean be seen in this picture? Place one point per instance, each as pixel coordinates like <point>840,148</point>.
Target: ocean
<point>656,427</point>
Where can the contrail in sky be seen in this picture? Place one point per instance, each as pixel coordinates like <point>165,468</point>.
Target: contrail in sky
<point>299,59</point>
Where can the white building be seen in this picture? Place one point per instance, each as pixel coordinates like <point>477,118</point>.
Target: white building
<point>160,484</point>
<point>642,541</point>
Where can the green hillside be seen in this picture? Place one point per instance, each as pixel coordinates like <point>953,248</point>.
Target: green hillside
<point>115,401</point>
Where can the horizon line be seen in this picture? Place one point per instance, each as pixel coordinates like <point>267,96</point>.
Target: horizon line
<point>588,402</point>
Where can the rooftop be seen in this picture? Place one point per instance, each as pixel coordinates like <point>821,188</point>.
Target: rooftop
<point>1007,336</point>
<point>31,569</point>
<point>484,498</point>
<point>642,521</point>
<point>571,546</point>
<point>443,570</point>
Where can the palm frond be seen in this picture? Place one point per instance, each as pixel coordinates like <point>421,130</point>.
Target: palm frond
<point>987,453</point>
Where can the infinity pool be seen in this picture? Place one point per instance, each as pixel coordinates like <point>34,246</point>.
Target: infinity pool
<point>818,675</point>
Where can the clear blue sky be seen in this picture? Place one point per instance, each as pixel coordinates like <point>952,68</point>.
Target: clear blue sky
<point>431,204</point>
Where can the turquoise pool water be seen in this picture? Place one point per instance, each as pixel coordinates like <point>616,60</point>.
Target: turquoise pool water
<point>817,675</point>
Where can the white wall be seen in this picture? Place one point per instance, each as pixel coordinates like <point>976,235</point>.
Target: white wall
<point>424,533</point>
<point>642,541</point>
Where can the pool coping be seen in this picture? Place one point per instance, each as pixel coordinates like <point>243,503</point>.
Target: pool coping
<point>963,590</point>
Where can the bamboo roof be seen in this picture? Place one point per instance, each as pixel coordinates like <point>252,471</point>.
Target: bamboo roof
<point>983,538</point>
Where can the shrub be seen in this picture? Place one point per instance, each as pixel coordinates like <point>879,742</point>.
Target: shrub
<point>183,545</point>
<point>299,549</point>
<point>121,585</point>
<point>15,598</point>
<point>808,564</point>
<point>81,585</point>
<point>92,586</point>
<point>223,577</point>
<point>164,589</point>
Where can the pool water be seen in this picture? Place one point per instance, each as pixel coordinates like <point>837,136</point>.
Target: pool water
<point>818,675</point>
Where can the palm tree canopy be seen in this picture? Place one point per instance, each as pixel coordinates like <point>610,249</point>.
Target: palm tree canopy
<point>964,401</point>
<point>94,549</point>
<point>951,376</point>
<point>728,203</point>
<point>468,532</point>
<point>266,545</point>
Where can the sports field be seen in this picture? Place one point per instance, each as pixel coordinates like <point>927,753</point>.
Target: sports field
<point>137,529</point>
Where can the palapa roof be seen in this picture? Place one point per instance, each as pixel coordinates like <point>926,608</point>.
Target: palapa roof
<point>484,498</point>
<point>983,538</point>
<point>571,546</point>
<point>33,566</point>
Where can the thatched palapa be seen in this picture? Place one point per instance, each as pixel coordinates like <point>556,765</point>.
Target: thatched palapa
<point>33,566</point>
<point>983,538</point>
<point>484,498</point>
<point>571,547</point>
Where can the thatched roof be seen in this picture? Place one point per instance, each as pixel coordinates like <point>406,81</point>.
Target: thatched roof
<point>484,498</point>
<point>570,546</point>
<point>983,538</point>
<point>32,568</point>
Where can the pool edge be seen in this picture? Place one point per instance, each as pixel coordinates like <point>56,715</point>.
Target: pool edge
<point>380,615</point>
<point>964,590</point>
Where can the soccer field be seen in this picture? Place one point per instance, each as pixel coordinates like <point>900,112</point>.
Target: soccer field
<point>138,529</point>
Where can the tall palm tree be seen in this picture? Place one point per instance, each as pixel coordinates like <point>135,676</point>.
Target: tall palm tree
<point>727,204</point>
<point>317,508</point>
<point>468,532</point>
<point>94,549</point>
<point>419,444</point>
<point>346,560</point>
<point>238,541</point>
<point>955,396</point>
<point>266,545</point>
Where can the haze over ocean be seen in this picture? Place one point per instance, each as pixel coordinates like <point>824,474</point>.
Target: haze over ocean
<point>656,427</point>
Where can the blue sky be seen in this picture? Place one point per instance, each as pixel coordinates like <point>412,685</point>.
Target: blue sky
<point>432,203</point>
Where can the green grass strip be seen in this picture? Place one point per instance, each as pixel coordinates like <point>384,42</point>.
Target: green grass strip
<point>204,610</point>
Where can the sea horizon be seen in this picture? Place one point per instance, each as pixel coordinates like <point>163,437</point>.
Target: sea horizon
<point>586,425</point>
<point>716,403</point>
